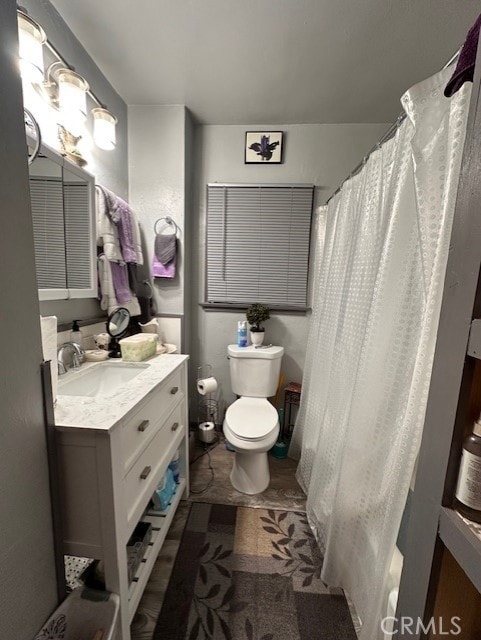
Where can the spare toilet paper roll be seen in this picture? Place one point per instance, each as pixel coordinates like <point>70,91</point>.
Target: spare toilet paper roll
<point>207,432</point>
<point>206,385</point>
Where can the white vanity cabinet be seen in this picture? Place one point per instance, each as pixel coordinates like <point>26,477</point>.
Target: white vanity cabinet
<point>111,458</point>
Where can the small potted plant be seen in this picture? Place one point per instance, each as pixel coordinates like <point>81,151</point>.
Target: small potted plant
<point>256,314</point>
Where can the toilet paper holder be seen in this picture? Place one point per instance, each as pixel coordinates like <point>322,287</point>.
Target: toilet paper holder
<point>208,408</point>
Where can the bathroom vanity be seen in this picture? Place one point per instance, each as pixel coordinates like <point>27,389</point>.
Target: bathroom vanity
<point>114,446</point>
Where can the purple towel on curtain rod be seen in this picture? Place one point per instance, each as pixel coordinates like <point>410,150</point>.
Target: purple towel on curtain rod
<point>467,59</point>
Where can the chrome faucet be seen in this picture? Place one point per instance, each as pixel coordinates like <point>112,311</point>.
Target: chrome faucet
<point>78,356</point>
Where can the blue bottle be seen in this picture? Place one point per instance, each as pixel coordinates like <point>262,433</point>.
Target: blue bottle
<point>242,333</point>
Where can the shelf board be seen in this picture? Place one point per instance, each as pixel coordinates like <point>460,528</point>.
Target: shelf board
<point>161,523</point>
<point>463,539</point>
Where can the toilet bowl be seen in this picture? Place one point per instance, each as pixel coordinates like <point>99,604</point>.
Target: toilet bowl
<point>251,426</point>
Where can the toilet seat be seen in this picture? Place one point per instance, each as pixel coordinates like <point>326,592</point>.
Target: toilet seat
<point>251,419</point>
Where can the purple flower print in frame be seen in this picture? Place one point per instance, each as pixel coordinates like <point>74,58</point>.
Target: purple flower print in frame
<point>263,147</point>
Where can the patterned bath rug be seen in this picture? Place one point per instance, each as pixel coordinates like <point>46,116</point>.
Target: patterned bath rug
<point>250,574</point>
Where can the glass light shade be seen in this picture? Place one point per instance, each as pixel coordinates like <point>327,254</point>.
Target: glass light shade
<point>31,38</point>
<point>72,99</point>
<point>104,128</point>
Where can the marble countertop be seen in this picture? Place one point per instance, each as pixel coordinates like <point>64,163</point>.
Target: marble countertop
<point>104,412</point>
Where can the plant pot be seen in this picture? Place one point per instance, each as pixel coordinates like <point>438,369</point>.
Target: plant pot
<point>257,338</point>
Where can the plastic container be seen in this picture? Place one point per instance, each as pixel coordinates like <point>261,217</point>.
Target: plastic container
<point>164,492</point>
<point>138,347</point>
<point>468,490</point>
<point>175,467</point>
<point>137,546</point>
<point>83,614</point>
<point>242,333</point>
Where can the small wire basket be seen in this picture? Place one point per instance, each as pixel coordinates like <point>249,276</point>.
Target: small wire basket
<point>208,411</point>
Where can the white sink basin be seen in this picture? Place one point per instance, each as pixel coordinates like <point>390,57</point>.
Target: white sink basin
<point>101,380</point>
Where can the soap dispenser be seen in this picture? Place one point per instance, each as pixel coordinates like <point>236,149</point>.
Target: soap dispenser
<point>76,334</point>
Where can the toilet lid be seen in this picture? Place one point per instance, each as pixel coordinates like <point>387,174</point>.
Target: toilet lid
<point>251,418</point>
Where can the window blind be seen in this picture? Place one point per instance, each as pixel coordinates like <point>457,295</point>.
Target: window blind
<point>258,240</point>
<point>48,232</point>
<point>77,234</point>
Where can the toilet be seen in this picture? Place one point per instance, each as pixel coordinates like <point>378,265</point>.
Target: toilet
<point>251,423</point>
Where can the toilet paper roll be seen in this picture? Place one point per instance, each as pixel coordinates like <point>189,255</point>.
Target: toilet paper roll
<point>207,432</point>
<point>206,385</point>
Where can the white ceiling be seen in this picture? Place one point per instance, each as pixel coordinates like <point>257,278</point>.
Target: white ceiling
<point>270,61</point>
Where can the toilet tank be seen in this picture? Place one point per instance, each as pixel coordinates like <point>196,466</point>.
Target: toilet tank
<point>254,372</point>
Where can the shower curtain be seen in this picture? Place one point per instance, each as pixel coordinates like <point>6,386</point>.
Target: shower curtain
<point>377,294</point>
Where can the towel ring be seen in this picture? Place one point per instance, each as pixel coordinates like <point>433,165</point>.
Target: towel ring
<point>169,221</point>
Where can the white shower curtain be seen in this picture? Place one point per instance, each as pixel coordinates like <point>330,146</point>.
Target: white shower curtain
<point>377,292</point>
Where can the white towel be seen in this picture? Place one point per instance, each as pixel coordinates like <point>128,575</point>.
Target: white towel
<point>48,327</point>
<point>107,232</point>
<point>108,301</point>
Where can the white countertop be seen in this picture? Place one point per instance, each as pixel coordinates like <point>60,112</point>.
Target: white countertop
<point>103,413</point>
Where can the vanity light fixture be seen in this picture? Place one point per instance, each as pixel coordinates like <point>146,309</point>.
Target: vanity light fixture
<point>104,128</point>
<point>31,38</point>
<point>61,85</point>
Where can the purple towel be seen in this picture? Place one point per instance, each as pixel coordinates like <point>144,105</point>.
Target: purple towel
<point>120,280</point>
<point>165,247</point>
<point>121,215</point>
<point>125,224</point>
<point>162,271</point>
<point>467,58</point>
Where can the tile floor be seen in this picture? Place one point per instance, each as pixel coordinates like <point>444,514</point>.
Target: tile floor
<point>283,493</point>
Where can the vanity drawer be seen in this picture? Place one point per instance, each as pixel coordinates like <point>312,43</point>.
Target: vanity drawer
<point>139,429</point>
<point>141,481</point>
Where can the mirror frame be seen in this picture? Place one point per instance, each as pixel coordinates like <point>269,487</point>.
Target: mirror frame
<point>63,163</point>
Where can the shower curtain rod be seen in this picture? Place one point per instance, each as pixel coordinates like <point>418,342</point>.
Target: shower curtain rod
<point>385,137</point>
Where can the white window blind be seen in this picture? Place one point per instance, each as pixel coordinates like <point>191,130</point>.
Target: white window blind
<point>48,231</point>
<point>77,234</point>
<point>258,241</point>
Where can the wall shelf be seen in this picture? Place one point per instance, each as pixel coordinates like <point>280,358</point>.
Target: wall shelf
<point>463,539</point>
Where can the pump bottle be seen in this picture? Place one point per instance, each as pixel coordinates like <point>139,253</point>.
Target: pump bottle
<point>468,490</point>
<point>76,334</point>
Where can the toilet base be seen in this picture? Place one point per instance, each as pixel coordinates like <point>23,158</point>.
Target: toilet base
<point>250,472</point>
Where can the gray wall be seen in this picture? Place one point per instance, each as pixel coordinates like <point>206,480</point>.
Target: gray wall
<point>158,187</point>
<point>27,579</point>
<point>317,154</point>
<point>110,168</point>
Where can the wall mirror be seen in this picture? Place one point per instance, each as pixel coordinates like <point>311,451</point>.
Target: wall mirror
<point>62,199</point>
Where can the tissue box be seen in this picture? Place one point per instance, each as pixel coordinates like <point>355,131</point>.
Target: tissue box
<point>139,347</point>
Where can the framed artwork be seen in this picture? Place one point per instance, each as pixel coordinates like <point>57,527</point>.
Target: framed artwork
<point>263,147</point>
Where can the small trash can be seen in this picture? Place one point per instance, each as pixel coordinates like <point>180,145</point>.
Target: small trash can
<point>86,614</point>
